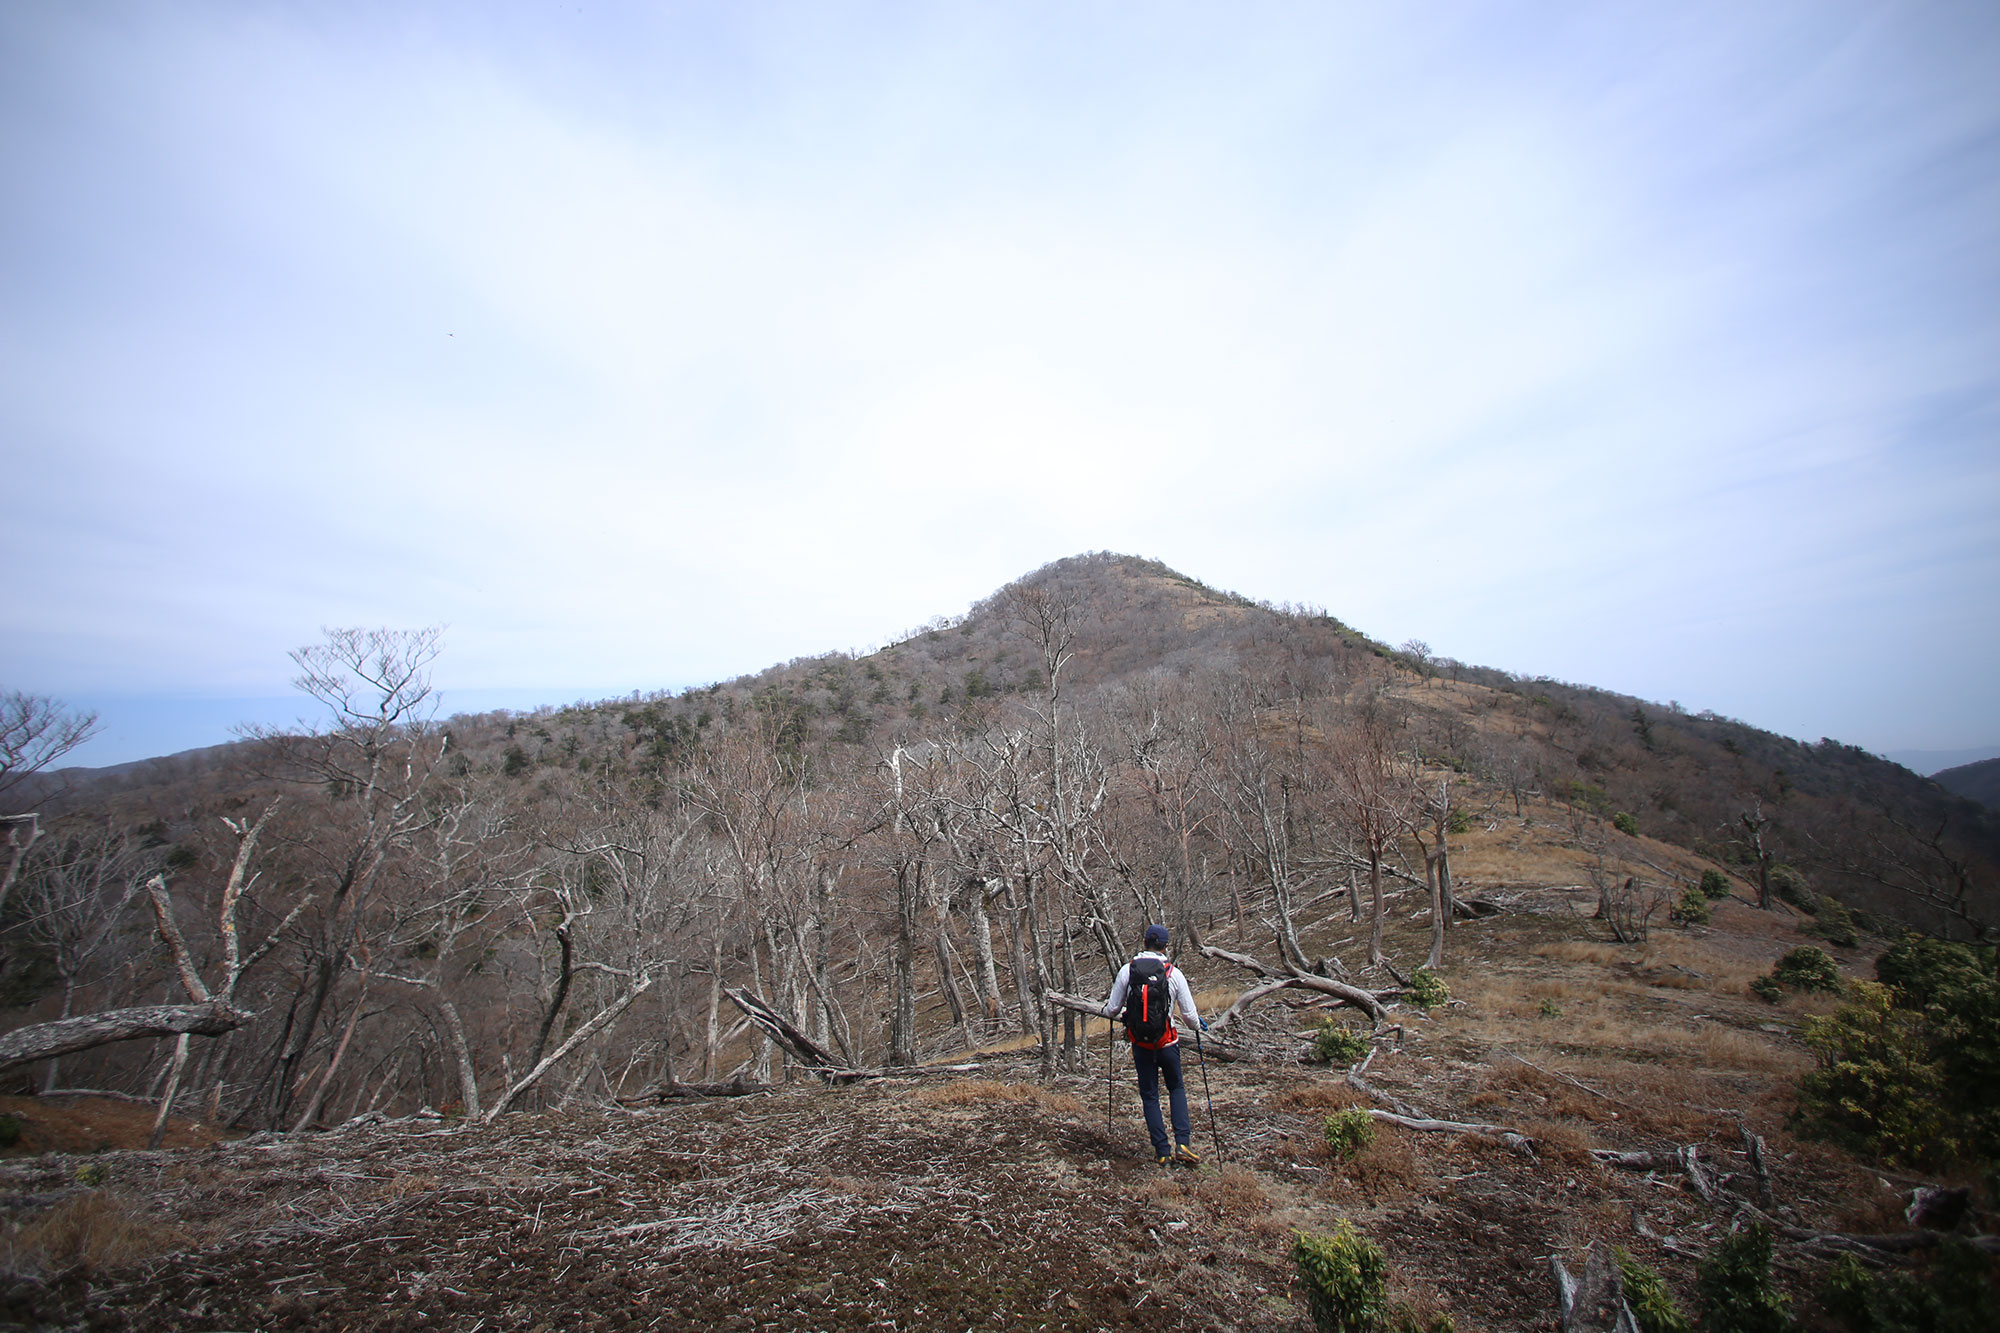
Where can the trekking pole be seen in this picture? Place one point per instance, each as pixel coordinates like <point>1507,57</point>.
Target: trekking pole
<point>1203,1057</point>
<point>1110,1059</point>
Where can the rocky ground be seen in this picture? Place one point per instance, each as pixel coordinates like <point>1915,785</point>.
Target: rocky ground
<point>984,1198</point>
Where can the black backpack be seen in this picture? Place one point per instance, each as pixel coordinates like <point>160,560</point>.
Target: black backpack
<point>1148,1002</point>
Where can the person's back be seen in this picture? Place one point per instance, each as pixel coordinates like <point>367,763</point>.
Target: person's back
<point>1145,995</point>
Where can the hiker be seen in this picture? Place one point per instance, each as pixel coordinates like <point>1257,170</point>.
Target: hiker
<point>1144,995</point>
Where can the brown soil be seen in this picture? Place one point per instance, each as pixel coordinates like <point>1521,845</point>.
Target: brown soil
<point>984,1199</point>
<point>83,1124</point>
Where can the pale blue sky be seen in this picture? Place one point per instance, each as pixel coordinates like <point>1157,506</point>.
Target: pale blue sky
<point>1650,346</point>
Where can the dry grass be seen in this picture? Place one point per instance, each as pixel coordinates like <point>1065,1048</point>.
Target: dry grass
<point>94,1231</point>
<point>1317,1097</point>
<point>1386,1171</point>
<point>405,1184</point>
<point>1563,1142</point>
<point>1714,1046</point>
<point>987,1091</point>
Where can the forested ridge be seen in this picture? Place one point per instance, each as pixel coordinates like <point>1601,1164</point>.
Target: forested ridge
<point>904,853</point>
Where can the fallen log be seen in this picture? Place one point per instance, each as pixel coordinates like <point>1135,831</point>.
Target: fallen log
<point>1361,1085</point>
<point>736,1087</point>
<point>1900,1242</point>
<point>1513,1138</point>
<point>778,1028</point>
<point>44,1041</point>
<point>1366,1001</point>
<point>1211,1046</point>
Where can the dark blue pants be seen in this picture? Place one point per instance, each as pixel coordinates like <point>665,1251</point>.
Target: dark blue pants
<point>1152,1066</point>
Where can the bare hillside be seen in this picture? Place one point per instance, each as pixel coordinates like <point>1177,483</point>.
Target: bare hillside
<point>985,1196</point>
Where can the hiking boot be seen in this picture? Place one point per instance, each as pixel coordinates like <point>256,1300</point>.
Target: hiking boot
<point>1186,1156</point>
<point>1166,1161</point>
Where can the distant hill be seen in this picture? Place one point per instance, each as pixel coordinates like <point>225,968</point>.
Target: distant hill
<point>1975,782</point>
<point>1930,763</point>
<point>1856,823</point>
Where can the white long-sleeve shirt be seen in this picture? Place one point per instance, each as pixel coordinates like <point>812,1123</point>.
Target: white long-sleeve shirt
<point>1177,988</point>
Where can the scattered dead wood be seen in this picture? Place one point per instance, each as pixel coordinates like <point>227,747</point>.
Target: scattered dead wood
<point>666,1092</point>
<point>1367,1001</point>
<point>1686,1161</point>
<point>1475,908</point>
<point>781,1030</point>
<point>1594,1302</point>
<point>1513,1138</point>
<point>42,1041</point>
<point>1901,1242</point>
<point>1753,1147</point>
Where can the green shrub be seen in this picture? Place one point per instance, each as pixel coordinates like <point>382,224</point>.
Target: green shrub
<point>1955,1297</point>
<point>1768,990</point>
<point>1953,993</point>
<point>1878,1090</point>
<point>1910,1072</point>
<point>92,1174</point>
<point>1459,822</point>
<point>1335,1044</point>
<point>1834,924</point>
<point>10,1129</point>
<point>1714,884</point>
<point>1349,1131</point>
<point>1790,886</point>
<point>1346,1278</point>
<point>1427,988</point>
<point>1692,909</point>
<point>1550,1009</point>
<point>1625,823</point>
<point>1652,1303</point>
<point>1734,1283</point>
<point>1808,969</point>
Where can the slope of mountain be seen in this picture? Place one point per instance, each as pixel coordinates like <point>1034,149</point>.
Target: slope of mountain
<point>1975,782</point>
<point>904,855</point>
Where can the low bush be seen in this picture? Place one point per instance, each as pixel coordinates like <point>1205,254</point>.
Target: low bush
<point>1834,924</point>
<point>1790,886</point>
<point>1346,1278</point>
<point>1956,1296</point>
<point>1625,823</point>
<point>1427,988</point>
<point>1714,885</point>
<point>1652,1302</point>
<point>1808,969</point>
<point>1692,909</point>
<point>1878,1090</point>
<point>1768,990</point>
<point>1336,1044</point>
<point>1909,1071</point>
<point>10,1129</point>
<point>1734,1283</point>
<point>1349,1131</point>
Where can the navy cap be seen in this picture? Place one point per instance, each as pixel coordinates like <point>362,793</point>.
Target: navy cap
<point>1156,936</point>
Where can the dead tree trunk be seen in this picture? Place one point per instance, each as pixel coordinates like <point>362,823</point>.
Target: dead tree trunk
<point>42,1041</point>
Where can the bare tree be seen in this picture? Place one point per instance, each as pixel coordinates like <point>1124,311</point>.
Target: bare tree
<point>75,892</point>
<point>371,765</point>
<point>1378,795</point>
<point>35,731</point>
<point>1436,811</point>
